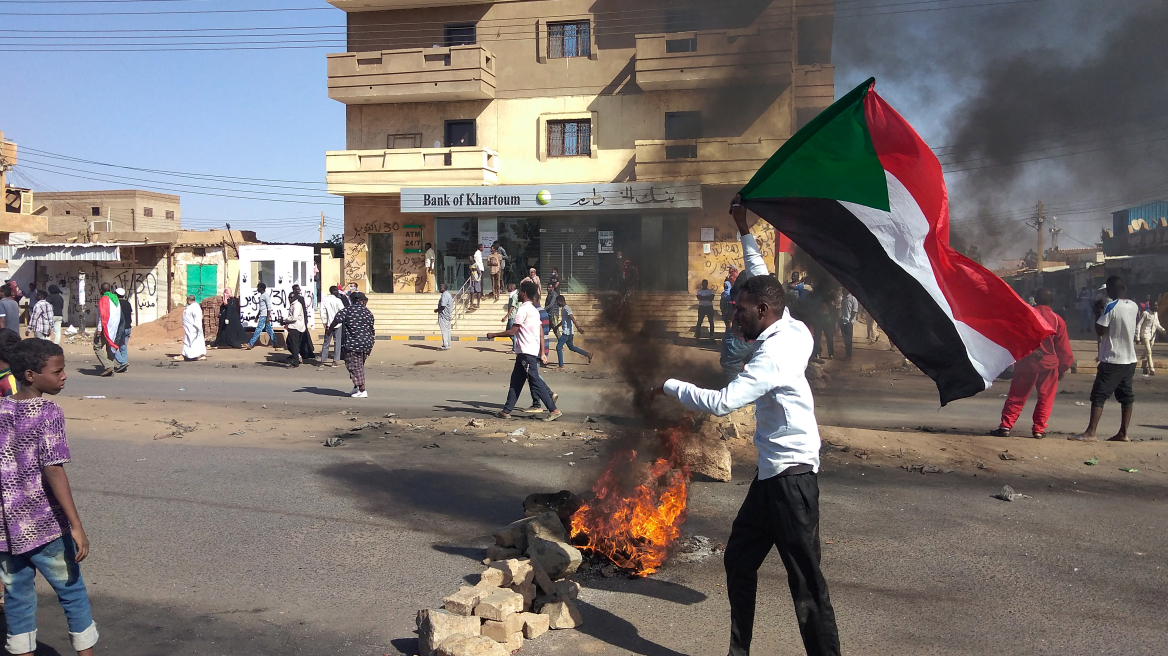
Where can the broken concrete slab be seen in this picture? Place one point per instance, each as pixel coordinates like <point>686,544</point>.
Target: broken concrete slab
<point>471,646</point>
<point>499,604</point>
<point>515,571</point>
<point>541,578</point>
<point>707,455</point>
<point>492,576</point>
<point>547,526</point>
<point>435,626</point>
<point>528,591</point>
<point>514,535</point>
<point>562,615</point>
<point>535,624</point>
<point>502,631</point>
<point>567,589</point>
<point>556,558</point>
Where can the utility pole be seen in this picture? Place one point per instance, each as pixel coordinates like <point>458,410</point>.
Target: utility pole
<point>1037,225</point>
<point>321,227</point>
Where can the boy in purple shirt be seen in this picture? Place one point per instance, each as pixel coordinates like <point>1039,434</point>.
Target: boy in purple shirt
<point>39,530</point>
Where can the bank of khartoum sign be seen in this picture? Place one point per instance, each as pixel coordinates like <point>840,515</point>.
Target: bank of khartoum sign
<point>643,196</point>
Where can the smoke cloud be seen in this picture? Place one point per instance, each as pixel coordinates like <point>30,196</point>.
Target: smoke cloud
<point>1058,101</point>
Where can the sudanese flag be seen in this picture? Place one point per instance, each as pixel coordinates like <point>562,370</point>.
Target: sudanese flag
<point>860,192</point>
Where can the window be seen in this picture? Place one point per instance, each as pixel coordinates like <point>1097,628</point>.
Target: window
<point>572,39</point>
<point>462,34</point>
<point>170,215</point>
<point>95,211</point>
<point>148,212</point>
<point>569,138</point>
<point>199,252</point>
<point>460,133</point>
<point>681,45</point>
<point>683,125</point>
<point>262,271</point>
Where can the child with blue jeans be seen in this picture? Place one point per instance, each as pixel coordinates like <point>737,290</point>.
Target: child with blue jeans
<point>569,328</point>
<point>42,531</point>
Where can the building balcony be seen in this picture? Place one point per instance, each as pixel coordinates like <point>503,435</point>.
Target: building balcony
<point>377,172</point>
<point>709,161</point>
<point>382,5</point>
<point>412,75</point>
<point>713,58</point>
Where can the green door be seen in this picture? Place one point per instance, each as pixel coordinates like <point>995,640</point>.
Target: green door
<point>202,280</point>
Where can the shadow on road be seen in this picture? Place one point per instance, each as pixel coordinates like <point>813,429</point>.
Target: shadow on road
<point>649,587</point>
<point>425,346</point>
<point>477,502</point>
<point>321,391</point>
<point>474,553</point>
<point>618,632</point>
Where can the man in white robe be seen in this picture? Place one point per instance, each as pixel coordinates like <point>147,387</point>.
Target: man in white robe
<point>194,342</point>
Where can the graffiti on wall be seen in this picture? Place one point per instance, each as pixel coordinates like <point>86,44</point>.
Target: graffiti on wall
<point>144,287</point>
<point>726,251</point>
<point>249,309</point>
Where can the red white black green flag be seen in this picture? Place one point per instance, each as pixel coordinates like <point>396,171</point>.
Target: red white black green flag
<point>860,192</point>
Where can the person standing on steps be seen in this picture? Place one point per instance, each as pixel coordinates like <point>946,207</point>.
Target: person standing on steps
<point>263,316</point>
<point>529,354</point>
<point>1042,369</point>
<point>330,306</point>
<point>781,509</point>
<point>1116,328</point>
<point>359,332</point>
<point>445,312</point>
<point>495,266</point>
<point>431,260</point>
<point>476,276</point>
<point>705,308</point>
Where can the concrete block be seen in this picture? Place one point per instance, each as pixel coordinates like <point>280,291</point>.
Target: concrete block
<point>514,571</point>
<point>558,559</point>
<point>562,615</point>
<point>514,535</point>
<point>547,526</point>
<point>495,552</point>
<point>502,631</point>
<point>528,592</point>
<point>492,576</point>
<point>464,601</point>
<point>471,646</point>
<point>514,642</point>
<point>499,604</point>
<point>541,577</point>
<point>535,624</point>
<point>567,589</point>
<point>435,626</point>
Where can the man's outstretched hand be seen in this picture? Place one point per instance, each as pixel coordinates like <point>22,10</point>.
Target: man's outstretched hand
<point>738,211</point>
<point>658,390</point>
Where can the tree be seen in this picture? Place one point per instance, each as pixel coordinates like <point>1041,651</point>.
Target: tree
<point>1030,259</point>
<point>337,239</point>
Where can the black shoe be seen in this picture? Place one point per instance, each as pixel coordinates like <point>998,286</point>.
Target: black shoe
<point>107,373</point>
<point>1000,432</point>
<point>122,369</point>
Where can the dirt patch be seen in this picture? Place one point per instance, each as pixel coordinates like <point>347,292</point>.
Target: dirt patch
<point>167,328</point>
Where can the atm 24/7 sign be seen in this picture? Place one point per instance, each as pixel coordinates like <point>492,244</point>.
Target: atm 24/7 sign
<point>413,239</point>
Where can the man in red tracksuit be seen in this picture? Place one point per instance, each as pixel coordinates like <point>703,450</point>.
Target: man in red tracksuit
<point>1043,369</point>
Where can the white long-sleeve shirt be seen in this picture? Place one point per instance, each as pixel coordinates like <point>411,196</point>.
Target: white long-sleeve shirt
<point>786,432</point>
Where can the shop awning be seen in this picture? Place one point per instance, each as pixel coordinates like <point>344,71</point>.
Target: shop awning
<point>62,252</point>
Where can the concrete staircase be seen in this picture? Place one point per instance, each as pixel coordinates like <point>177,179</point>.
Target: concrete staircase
<point>669,315</point>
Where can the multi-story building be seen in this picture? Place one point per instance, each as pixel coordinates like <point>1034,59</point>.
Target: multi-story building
<point>17,213</point>
<point>121,210</point>
<point>580,134</point>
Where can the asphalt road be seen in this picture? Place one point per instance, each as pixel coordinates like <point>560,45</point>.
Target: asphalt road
<point>240,550</point>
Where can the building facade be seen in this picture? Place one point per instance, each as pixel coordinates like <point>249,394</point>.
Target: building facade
<point>121,210</point>
<point>595,137</point>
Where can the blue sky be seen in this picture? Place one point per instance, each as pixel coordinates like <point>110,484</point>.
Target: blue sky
<point>266,114</point>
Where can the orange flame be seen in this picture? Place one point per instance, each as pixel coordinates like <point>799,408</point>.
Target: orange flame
<point>634,529</point>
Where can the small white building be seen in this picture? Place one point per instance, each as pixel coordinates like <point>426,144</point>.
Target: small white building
<point>278,266</point>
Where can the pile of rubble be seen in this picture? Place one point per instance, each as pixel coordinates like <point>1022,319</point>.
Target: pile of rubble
<point>521,595</point>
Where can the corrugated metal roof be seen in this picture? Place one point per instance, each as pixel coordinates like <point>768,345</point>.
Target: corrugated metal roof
<point>61,252</point>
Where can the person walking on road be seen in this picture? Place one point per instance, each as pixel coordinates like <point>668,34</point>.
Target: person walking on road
<point>529,354</point>
<point>307,350</point>
<point>782,505</point>
<point>445,312</point>
<point>330,307</point>
<point>123,354</point>
<point>58,303</point>
<point>511,309</point>
<point>705,308</point>
<point>495,266</point>
<point>545,324</point>
<point>263,316</point>
<point>849,311</point>
<point>431,260</point>
<point>1116,328</point>
<point>294,326</point>
<point>1149,328</point>
<point>1042,369</point>
<point>105,337</point>
<point>569,327</point>
<point>358,328</point>
<point>9,311</point>
<point>40,318</point>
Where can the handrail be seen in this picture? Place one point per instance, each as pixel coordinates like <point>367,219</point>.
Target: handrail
<point>461,302</point>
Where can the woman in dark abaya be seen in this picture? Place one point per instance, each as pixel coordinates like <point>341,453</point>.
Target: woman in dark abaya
<point>231,333</point>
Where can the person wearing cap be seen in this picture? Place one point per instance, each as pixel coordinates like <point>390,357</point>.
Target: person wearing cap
<point>122,355</point>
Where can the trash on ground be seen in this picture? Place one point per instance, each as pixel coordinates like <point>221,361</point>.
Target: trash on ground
<point>1130,470</point>
<point>334,441</point>
<point>1092,461</point>
<point>93,397</point>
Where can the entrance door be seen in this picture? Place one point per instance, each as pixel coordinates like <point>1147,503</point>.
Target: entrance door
<point>202,280</point>
<point>460,133</point>
<point>379,262</point>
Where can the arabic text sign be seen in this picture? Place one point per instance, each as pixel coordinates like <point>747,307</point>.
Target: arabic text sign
<point>552,198</point>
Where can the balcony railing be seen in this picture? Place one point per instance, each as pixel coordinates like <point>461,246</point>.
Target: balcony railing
<point>360,172</point>
<point>710,161</point>
<point>412,75</point>
<point>713,58</point>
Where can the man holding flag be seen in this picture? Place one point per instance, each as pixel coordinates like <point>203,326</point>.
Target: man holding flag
<point>106,339</point>
<point>858,190</point>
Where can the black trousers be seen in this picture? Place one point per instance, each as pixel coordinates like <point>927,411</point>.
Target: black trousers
<point>827,331</point>
<point>526,370</point>
<point>846,336</point>
<point>705,313</point>
<point>782,512</point>
<point>293,338</point>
